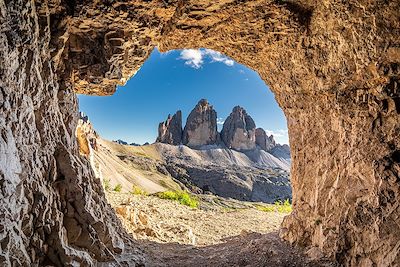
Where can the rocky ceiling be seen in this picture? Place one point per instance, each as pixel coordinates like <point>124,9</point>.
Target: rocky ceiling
<point>334,69</point>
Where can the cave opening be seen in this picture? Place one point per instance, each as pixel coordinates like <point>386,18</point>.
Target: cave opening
<point>222,152</point>
<point>333,67</point>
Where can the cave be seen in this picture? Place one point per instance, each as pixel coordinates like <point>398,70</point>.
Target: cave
<point>334,70</point>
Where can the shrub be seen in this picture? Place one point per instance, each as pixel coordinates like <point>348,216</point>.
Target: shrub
<point>118,188</point>
<point>106,184</point>
<point>182,197</point>
<point>136,190</point>
<point>284,207</point>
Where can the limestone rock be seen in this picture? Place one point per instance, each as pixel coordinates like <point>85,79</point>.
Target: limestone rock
<point>201,126</point>
<point>121,142</point>
<point>263,140</point>
<point>239,130</point>
<point>86,135</point>
<point>281,151</point>
<point>334,70</point>
<point>170,131</point>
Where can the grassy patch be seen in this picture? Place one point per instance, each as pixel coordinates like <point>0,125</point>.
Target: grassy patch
<point>278,206</point>
<point>136,190</point>
<point>265,208</point>
<point>118,188</point>
<point>106,184</point>
<point>182,197</point>
<point>285,207</point>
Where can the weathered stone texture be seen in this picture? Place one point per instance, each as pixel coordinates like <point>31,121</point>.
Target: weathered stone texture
<point>334,68</point>
<point>201,126</point>
<point>263,140</point>
<point>170,131</point>
<point>239,130</point>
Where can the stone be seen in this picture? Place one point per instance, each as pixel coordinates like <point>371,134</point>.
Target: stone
<point>281,151</point>
<point>239,130</point>
<point>121,142</point>
<point>86,135</point>
<point>332,66</point>
<point>264,141</point>
<point>170,131</point>
<point>201,126</point>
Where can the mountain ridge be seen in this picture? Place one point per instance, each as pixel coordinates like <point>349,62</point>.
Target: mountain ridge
<point>239,131</point>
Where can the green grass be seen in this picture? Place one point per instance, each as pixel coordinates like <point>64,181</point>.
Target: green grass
<point>265,208</point>
<point>285,207</point>
<point>182,197</point>
<point>118,188</point>
<point>106,184</point>
<point>136,190</point>
<point>278,206</point>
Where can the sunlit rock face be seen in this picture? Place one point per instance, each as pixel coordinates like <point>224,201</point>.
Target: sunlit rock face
<point>85,135</point>
<point>334,69</point>
<point>239,130</point>
<point>170,131</point>
<point>201,126</point>
<point>263,140</point>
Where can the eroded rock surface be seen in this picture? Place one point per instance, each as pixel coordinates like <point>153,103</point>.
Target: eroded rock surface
<point>239,130</point>
<point>263,140</point>
<point>334,69</point>
<point>170,131</point>
<point>201,126</point>
<point>86,135</point>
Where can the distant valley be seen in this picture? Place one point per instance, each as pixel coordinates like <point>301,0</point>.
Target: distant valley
<point>242,162</point>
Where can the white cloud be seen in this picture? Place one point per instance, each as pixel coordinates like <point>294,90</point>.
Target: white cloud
<point>192,57</point>
<point>220,121</point>
<point>241,71</point>
<point>277,133</point>
<point>218,57</point>
<point>195,57</point>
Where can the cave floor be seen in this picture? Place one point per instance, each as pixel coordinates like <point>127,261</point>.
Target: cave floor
<point>157,233</point>
<point>252,249</point>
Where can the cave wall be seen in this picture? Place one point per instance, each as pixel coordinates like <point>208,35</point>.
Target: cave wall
<point>334,69</point>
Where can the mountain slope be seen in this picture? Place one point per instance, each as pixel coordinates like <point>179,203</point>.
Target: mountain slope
<point>251,175</point>
<point>258,176</point>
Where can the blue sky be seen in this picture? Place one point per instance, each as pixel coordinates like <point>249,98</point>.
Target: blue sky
<point>177,80</point>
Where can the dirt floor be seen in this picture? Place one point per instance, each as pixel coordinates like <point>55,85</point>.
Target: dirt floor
<point>222,232</point>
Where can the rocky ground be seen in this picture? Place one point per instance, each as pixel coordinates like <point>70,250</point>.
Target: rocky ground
<point>221,232</point>
<point>160,220</point>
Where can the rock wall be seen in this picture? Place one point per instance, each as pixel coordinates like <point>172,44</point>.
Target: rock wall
<point>239,130</point>
<point>263,140</point>
<point>170,131</point>
<point>334,69</point>
<point>201,126</point>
